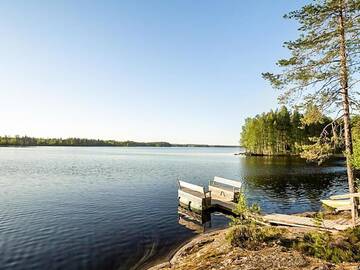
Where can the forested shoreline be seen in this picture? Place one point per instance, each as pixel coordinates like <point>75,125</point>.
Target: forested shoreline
<point>279,132</point>
<point>24,141</point>
<point>283,132</point>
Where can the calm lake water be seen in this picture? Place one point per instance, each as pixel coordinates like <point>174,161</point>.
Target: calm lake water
<point>116,208</point>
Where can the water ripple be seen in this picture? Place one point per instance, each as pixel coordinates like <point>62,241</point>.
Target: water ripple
<point>116,208</point>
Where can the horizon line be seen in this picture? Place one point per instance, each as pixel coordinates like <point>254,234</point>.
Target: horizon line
<point>119,141</point>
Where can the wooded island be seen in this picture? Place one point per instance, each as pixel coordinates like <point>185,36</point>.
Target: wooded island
<point>284,132</point>
<point>280,132</point>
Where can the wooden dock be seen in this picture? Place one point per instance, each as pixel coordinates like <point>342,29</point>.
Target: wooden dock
<point>288,220</point>
<point>222,194</point>
<point>195,198</point>
<point>297,221</point>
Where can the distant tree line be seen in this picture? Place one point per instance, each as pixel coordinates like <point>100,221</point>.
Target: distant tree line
<point>281,132</point>
<point>32,141</point>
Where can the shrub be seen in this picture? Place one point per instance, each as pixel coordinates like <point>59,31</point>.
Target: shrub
<point>252,237</point>
<point>342,247</point>
<point>336,248</point>
<point>247,233</point>
<point>245,214</point>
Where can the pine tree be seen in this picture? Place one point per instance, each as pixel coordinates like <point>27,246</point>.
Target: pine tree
<point>323,65</point>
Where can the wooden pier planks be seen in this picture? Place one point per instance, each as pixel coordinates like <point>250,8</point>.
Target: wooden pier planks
<point>195,198</point>
<point>296,221</point>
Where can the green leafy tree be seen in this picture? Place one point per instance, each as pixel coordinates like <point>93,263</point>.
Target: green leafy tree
<point>279,132</point>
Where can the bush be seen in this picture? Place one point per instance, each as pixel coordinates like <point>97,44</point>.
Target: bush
<point>253,237</point>
<point>244,213</point>
<point>336,248</point>
<point>246,233</point>
<point>342,247</point>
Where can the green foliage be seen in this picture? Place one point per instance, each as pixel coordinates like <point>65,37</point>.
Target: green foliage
<point>281,132</point>
<point>317,245</point>
<point>253,237</point>
<point>318,151</point>
<point>319,219</point>
<point>336,248</point>
<point>357,185</point>
<point>356,154</point>
<point>245,214</point>
<point>312,115</point>
<point>355,159</point>
<point>342,247</point>
<point>312,73</point>
<point>322,70</point>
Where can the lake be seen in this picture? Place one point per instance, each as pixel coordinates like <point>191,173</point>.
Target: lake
<point>116,208</point>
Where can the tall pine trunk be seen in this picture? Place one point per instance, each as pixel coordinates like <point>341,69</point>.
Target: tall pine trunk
<point>344,82</point>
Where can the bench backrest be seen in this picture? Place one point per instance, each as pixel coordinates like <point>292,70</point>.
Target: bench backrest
<point>228,182</point>
<point>191,186</point>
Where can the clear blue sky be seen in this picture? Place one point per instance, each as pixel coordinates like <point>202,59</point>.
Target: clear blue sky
<point>181,71</point>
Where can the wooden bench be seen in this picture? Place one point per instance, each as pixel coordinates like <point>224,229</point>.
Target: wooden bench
<point>193,197</point>
<point>224,189</point>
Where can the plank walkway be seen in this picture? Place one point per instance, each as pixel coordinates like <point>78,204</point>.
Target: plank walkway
<point>296,221</point>
<point>290,220</point>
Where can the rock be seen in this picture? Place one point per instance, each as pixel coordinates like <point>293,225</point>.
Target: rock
<point>165,265</point>
<point>213,252</point>
<point>327,266</point>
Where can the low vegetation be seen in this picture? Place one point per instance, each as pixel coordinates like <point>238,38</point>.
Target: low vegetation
<point>253,237</point>
<point>336,248</point>
<point>249,232</point>
<point>245,214</point>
